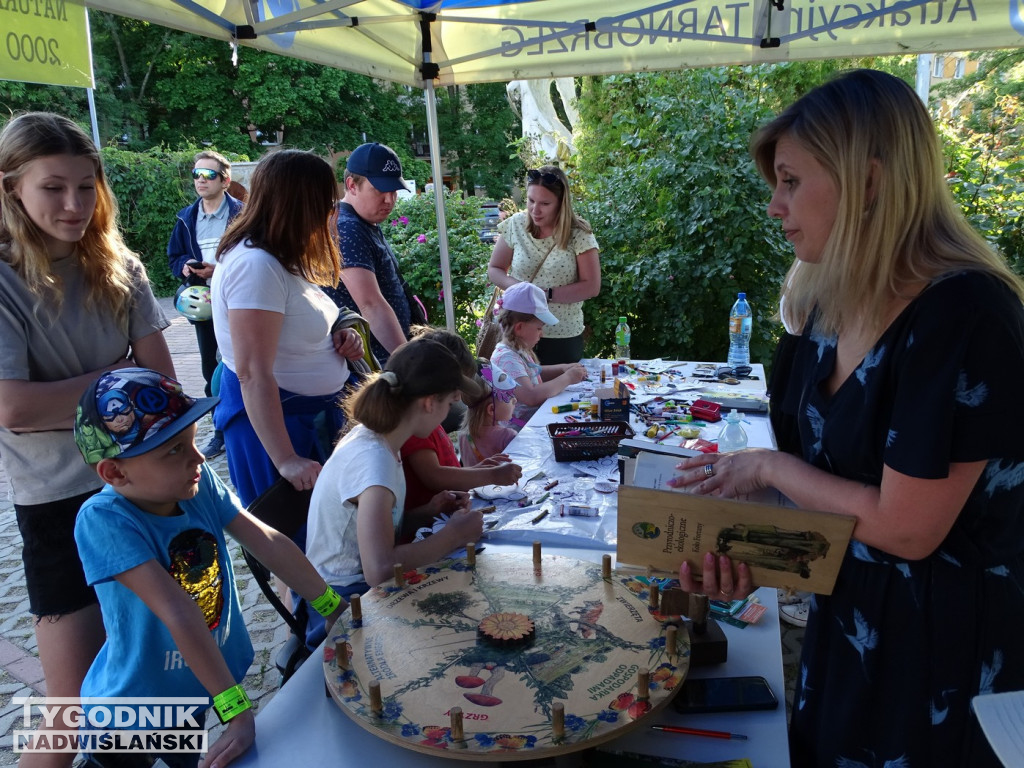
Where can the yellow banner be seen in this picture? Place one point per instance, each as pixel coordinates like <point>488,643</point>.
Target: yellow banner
<point>45,41</point>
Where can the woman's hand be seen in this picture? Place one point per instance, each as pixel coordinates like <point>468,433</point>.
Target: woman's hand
<point>720,579</point>
<point>723,474</point>
<point>301,473</point>
<point>348,343</point>
<point>237,737</point>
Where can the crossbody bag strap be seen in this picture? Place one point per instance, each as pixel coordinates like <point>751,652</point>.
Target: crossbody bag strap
<point>541,265</point>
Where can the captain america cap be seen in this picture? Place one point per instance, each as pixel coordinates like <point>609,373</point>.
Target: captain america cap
<point>131,411</point>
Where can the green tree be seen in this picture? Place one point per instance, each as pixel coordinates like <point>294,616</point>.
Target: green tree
<point>412,232</point>
<point>983,141</point>
<point>678,210</point>
<point>476,127</point>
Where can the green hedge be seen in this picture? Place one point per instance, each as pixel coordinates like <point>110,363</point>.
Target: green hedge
<point>412,232</point>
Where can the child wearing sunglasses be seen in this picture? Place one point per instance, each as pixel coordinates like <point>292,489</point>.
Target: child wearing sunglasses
<point>484,432</point>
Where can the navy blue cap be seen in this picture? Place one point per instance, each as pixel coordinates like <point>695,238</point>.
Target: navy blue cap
<point>379,164</point>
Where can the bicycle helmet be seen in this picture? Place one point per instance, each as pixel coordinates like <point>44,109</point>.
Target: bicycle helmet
<point>193,301</point>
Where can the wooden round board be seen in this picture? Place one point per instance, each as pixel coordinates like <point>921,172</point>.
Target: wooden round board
<point>419,641</point>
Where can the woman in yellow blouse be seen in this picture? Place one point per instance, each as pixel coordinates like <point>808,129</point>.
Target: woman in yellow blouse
<point>553,248</point>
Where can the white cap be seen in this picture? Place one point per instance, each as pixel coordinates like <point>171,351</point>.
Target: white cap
<point>528,299</point>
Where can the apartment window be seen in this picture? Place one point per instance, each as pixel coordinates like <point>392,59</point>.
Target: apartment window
<point>960,65</point>
<point>938,65</point>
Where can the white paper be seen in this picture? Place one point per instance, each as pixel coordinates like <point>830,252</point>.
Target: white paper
<point>1002,719</point>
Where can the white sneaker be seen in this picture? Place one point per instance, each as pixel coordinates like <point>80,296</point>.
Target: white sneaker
<point>795,613</point>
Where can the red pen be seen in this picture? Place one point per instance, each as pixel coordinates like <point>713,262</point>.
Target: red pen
<point>699,732</point>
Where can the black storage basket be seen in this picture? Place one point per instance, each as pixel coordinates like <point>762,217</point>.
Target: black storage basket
<point>587,440</point>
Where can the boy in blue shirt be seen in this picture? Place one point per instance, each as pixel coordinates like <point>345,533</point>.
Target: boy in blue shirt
<point>152,544</point>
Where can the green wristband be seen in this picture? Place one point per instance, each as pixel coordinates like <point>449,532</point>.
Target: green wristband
<point>231,703</point>
<point>327,603</point>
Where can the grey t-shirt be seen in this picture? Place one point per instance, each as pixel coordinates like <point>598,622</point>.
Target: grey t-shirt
<point>47,466</point>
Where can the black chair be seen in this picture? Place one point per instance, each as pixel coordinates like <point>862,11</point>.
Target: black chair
<point>286,509</point>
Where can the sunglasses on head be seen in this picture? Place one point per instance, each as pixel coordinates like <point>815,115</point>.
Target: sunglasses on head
<point>205,173</point>
<point>547,179</point>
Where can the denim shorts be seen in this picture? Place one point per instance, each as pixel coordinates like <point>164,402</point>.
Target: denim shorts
<point>53,571</point>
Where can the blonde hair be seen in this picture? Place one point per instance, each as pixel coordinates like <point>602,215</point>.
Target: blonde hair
<point>477,398</point>
<point>869,129</point>
<point>567,219</point>
<point>290,214</point>
<point>507,320</point>
<point>419,368</point>
<point>105,261</point>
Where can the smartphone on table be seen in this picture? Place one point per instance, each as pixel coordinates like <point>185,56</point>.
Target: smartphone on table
<point>724,694</point>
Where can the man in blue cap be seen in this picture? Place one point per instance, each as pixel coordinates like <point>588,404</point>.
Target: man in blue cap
<point>371,281</point>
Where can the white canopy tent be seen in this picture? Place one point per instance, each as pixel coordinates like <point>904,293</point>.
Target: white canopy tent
<point>426,43</point>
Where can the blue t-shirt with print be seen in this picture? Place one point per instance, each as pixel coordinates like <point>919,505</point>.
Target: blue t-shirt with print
<point>363,246</point>
<point>139,657</point>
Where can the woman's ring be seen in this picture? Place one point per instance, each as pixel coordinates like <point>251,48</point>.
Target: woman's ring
<point>726,594</point>
<point>709,470</point>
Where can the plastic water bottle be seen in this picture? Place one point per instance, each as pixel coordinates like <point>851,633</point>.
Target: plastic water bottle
<point>732,437</point>
<point>740,325</point>
<point>622,340</point>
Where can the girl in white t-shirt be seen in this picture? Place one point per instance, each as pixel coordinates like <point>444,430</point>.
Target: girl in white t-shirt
<point>357,504</point>
<point>524,313</point>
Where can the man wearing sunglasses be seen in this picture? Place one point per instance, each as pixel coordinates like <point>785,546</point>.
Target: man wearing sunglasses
<point>190,252</point>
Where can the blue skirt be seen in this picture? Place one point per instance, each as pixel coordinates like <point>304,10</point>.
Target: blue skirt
<point>313,424</point>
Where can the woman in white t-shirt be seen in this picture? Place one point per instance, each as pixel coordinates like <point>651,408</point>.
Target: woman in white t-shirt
<point>553,248</point>
<point>284,367</point>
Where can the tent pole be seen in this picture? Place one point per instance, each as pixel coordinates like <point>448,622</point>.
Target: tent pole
<point>428,72</point>
<point>442,227</point>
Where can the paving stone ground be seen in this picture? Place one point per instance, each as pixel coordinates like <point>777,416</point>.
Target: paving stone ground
<point>20,672</point>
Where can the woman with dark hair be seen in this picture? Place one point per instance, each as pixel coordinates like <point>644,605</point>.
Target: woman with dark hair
<point>898,406</point>
<point>553,248</point>
<point>284,368</point>
<point>76,304</point>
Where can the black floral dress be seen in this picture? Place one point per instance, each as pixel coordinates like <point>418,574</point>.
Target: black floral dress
<point>893,657</point>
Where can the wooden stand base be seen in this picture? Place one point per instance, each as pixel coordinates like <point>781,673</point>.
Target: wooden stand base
<point>708,648</point>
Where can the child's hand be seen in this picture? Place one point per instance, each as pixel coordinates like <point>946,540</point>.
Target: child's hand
<point>329,620</point>
<point>465,525</point>
<point>506,474</point>
<point>496,460</point>
<point>448,502</point>
<point>237,737</point>
<point>575,373</point>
